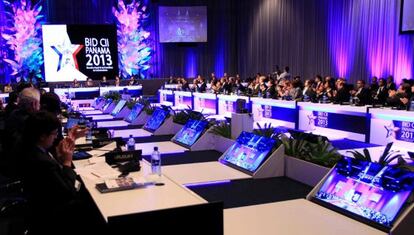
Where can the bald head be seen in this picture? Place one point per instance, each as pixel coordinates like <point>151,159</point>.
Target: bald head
<point>29,99</point>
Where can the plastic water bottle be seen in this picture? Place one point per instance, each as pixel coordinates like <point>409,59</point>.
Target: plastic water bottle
<point>351,100</point>
<point>88,136</point>
<point>131,143</point>
<point>156,162</point>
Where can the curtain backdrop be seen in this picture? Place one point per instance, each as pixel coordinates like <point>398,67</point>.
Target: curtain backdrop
<point>356,39</point>
<point>350,38</point>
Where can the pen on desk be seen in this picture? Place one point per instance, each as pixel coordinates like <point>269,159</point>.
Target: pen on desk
<point>95,174</point>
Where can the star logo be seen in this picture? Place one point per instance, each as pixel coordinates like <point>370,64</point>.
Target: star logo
<point>391,129</point>
<point>311,119</point>
<point>67,54</point>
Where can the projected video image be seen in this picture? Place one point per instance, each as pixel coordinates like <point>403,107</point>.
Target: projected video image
<point>367,189</point>
<point>190,132</point>
<point>183,24</point>
<point>156,119</point>
<point>249,151</point>
<point>407,17</point>
<point>118,107</point>
<point>136,110</point>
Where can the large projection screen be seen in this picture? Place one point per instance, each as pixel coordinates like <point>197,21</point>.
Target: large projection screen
<point>79,52</point>
<point>407,16</point>
<point>182,24</point>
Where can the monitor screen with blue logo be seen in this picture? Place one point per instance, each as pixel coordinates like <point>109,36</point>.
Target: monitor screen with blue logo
<point>191,131</point>
<point>97,101</point>
<point>157,118</point>
<point>249,152</point>
<point>107,103</point>
<point>367,191</point>
<point>118,107</point>
<point>136,110</point>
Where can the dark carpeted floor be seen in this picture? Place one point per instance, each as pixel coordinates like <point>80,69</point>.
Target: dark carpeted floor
<point>154,138</point>
<point>188,157</point>
<point>247,192</point>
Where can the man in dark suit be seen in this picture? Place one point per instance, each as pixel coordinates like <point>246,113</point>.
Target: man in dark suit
<point>50,183</point>
<point>184,85</point>
<point>374,84</point>
<point>201,86</point>
<point>28,102</point>
<point>271,90</point>
<point>381,94</point>
<point>395,98</point>
<point>341,94</point>
<point>390,84</point>
<point>362,93</point>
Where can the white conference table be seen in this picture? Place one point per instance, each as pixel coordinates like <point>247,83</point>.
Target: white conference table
<point>149,198</point>
<point>201,173</point>
<point>164,147</point>
<point>293,217</point>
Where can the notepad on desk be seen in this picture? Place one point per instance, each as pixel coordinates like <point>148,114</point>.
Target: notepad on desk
<point>121,184</point>
<point>97,172</point>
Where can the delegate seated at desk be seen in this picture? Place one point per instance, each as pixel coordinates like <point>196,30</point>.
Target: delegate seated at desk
<point>396,98</point>
<point>50,183</point>
<point>362,93</point>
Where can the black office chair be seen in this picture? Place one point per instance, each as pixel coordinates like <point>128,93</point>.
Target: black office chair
<point>13,207</point>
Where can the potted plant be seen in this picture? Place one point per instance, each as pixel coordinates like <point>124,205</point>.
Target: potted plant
<point>131,103</point>
<point>221,135</point>
<point>267,130</point>
<point>148,108</point>
<point>181,117</point>
<point>114,95</point>
<point>387,157</point>
<point>308,162</point>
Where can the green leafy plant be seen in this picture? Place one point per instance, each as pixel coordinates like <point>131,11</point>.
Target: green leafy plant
<point>267,130</point>
<point>270,132</point>
<point>114,95</point>
<point>364,156</point>
<point>322,153</point>
<point>385,159</point>
<point>148,108</point>
<point>131,103</point>
<point>222,129</point>
<point>183,116</point>
<point>294,147</point>
<point>406,166</point>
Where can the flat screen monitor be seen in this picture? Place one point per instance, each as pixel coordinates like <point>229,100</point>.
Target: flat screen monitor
<point>407,16</point>
<point>182,24</point>
<point>97,101</point>
<point>367,191</point>
<point>248,152</point>
<point>136,110</point>
<point>107,103</point>
<point>118,107</point>
<point>191,131</point>
<point>157,118</point>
